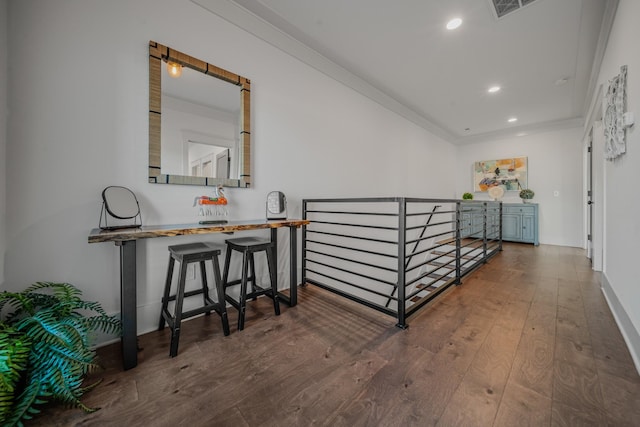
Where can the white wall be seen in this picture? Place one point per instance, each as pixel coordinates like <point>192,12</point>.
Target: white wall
<point>622,227</point>
<point>3,132</point>
<point>79,123</point>
<point>554,163</point>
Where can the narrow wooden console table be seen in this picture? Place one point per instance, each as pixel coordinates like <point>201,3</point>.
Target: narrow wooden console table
<point>126,239</point>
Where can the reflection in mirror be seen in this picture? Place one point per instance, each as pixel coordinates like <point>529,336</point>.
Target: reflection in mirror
<point>199,125</point>
<point>200,119</point>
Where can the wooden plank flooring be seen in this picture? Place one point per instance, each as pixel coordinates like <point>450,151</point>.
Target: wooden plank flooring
<point>527,340</point>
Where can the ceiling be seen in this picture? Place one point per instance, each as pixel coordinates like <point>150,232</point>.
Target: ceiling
<point>544,56</point>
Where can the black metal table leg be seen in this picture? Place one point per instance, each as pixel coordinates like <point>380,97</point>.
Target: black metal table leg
<point>291,299</point>
<point>293,265</point>
<point>128,303</point>
<point>274,240</point>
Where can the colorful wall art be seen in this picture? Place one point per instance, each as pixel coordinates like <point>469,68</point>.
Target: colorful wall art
<point>511,174</point>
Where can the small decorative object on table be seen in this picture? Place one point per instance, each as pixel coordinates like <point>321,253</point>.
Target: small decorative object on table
<point>467,196</point>
<point>526,195</point>
<point>213,209</point>
<point>119,206</point>
<point>496,192</point>
<point>276,205</point>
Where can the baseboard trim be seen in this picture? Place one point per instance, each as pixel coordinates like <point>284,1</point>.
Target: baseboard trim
<point>629,332</point>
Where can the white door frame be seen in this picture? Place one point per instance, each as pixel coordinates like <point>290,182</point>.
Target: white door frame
<point>594,134</point>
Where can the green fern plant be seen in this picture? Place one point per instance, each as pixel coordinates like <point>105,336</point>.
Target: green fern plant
<point>45,348</point>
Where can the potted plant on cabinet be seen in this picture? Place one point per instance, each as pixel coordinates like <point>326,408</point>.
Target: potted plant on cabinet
<point>45,348</point>
<point>467,196</point>
<point>526,195</point>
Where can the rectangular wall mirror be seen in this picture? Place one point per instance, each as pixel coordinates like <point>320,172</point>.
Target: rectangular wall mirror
<point>199,121</point>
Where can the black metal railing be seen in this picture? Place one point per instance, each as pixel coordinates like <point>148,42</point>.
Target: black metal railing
<point>396,254</point>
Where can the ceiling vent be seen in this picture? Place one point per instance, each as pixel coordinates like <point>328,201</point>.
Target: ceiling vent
<point>504,7</point>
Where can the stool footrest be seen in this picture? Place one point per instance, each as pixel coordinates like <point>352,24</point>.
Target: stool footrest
<point>186,294</point>
<point>208,308</point>
<point>213,306</point>
<point>259,292</point>
<point>239,281</point>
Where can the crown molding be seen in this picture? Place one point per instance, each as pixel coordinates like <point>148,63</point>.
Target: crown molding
<point>575,122</point>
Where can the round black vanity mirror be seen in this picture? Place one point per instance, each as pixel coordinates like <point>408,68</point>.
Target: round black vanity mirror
<point>119,204</point>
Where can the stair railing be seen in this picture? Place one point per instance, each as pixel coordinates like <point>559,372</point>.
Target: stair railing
<point>365,249</point>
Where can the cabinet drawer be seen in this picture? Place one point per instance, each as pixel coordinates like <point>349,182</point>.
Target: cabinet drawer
<point>524,209</point>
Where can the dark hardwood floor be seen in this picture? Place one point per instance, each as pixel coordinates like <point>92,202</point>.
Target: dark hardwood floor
<point>528,339</point>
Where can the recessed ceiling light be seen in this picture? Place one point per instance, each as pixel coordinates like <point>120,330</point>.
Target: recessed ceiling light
<point>512,119</point>
<point>493,89</point>
<point>454,23</point>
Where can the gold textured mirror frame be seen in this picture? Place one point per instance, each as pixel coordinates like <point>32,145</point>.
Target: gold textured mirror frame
<point>159,54</point>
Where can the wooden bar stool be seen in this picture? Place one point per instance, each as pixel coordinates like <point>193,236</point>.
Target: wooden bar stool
<point>249,246</point>
<point>185,255</point>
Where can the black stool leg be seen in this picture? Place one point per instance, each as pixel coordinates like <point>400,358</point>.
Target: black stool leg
<point>225,274</point>
<point>177,317</point>
<point>252,275</point>
<point>272,277</point>
<point>167,291</point>
<point>243,290</point>
<point>205,286</point>
<point>221,298</point>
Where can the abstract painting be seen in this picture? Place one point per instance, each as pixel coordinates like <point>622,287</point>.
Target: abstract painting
<point>511,174</point>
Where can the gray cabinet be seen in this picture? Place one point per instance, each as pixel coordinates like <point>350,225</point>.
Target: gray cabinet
<point>520,222</point>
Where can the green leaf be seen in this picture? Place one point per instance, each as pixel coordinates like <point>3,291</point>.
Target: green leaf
<point>14,356</point>
<point>25,404</point>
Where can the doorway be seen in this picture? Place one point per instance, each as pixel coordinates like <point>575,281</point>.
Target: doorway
<point>222,164</point>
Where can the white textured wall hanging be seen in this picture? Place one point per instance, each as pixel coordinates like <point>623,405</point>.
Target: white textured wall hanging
<point>614,108</point>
